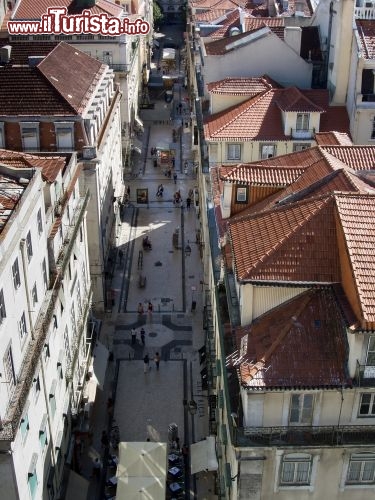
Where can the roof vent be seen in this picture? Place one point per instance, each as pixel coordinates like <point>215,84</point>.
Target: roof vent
<point>35,60</point>
<point>234,31</point>
<point>5,54</point>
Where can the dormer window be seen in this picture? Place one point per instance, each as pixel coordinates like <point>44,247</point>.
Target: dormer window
<point>302,123</point>
<point>30,136</point>
<point>64,136</point>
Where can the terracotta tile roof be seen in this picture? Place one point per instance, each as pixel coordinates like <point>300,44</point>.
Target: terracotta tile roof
<point>219,47</point>
<point>357,157</point>
<point>292,99</point>
<point>51,165</point>
<point>24,91</point>
<point>308,332</point>
<point>218,4</point>
<point>31,9</point>
<point>294,243</point>
<point>332,139</point>
<point>209,16</point>
<point>252,174</point>
<point>357,218</point>
<point>260,118</point>
<point>249,86</point>
<point>22,50</point>
<point>72,73</point>
<point>336,119</point>
<point>366,33</point>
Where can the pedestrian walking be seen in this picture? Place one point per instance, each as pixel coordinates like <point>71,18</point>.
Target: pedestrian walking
<point>157,360</point>
<point>175,178</point>
<point>143,336</point>
<point>188,203</point>
<point>185,167</point>
<point>134,336</point>
<point>140,308</point>
<point>128,191</point>
<point>150,308</point>
<point>104,440</point>
<point>146,363</point>
<point>120,256</point>
<point>97,468</point>
<point>173,162</point>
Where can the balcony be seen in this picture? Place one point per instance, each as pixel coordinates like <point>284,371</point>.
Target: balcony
<point>365,375</point>
<point>368,97</point>
<point>344,435</point>
<point>302,133</point>
<point>364,12</point>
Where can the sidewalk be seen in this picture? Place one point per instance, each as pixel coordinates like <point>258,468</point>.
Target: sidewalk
<point>146,403</point>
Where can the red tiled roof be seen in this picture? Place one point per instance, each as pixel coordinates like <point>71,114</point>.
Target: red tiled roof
<point>218,4</point>
<point>260,118</point>
<point>306,331</point>
<point>357,218</point>
<point>32,9</point>
<point>247,173</point>
<point>295,243</point>
<point>366,32</point>
<point>21,50</point>
<point>219,47</point>
<point>292,99</point>
<point>332,139</point>
<point>11,191</point>
<point>357,157</point>
<point>50,165</point>
<point>72,73</point>
<point>209,15</point>
<point>249,86</point>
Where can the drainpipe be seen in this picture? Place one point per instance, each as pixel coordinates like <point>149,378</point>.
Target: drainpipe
<point>24,267</point>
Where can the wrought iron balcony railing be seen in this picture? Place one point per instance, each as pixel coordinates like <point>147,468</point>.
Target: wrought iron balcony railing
<point>365,375</point>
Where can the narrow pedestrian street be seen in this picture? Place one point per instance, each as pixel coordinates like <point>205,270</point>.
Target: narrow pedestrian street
<point>169,277</point>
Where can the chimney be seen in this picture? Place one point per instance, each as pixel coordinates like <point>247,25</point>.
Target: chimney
<point>5,53</point>
<point>242,19</point>
<point>292,37</point>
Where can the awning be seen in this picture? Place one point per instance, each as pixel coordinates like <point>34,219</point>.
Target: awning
<point>135,488</point>
<point>169,54</point>
<point>100,363</point>
<point>142,459</point>
<point>203,455</point>
<point>77,488</point>
<point>136,145</point>
<point>139,123</point>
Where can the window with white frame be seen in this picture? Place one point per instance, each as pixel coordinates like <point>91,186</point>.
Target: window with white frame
<point>367,405</point>
<point>108,57</point>
<point>24,423</point>
<point>36,384</point>
<point>241,195</point>
<point>52,399</point>
<point>370,357</point>
<point>64,136</point>
<point>3,313</point>
<point>233,151</point>
<point>301,146</point>
<point>16,274</point>
<point>29,246</point>
<point>2,136</point>
<point>44,272</point>
<point>32,478</point>
<point>39,221</point>
<point>43,433</point>
<point>22,326</point>
<point>296,469</point>
<point>302,121</point>
<point>30,136</point>
<point>267,151</point>
<point>34,294</point>
<point>301,409</point>
<point>361,469</point>
<point>10,375</point>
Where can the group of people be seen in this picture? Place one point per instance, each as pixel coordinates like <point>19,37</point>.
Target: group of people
<point>141,309</point>
<point>142,333</point>
<point>146,362</point>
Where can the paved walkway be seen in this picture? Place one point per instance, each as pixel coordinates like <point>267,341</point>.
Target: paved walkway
<point>146,403</point>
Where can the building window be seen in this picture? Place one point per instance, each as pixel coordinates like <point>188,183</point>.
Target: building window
<point>36,382</point>
<point>2,136</point>
<point>30,136</point>
<point>370,358</point>
<point>361,469</point>
<point>16,274</point>
<point>367,405</point>
<point>32,478</point>
<point>52,399</point>
<point>302,122</point>
<point>44,272</point>
<point>234,151</point>
<point>296,470</point>
<point>267,151</point>
<point>64,136</point>
<point>301,146</point>
<point>34,294</point>
<point>29,246</point>
<point>22,326</point>
<point>241,195</point>
<point>107,57</point>
<point>301,409</point>
<point>39,221</point>
<point>43,432</point>
<point>10,376</point>
<point>24,424</point>
<point>3,313</point>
